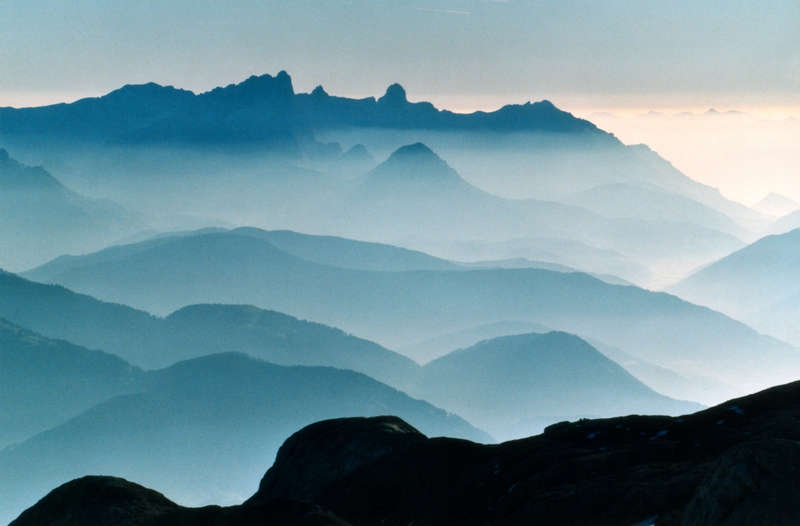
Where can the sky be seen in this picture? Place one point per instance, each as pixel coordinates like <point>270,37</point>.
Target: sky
<point>611,57</point>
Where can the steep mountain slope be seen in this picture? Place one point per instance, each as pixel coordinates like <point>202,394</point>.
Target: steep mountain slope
<point>398,308</point>
<point>41,218</point>
<point>203,428</point>
<point>514,386</point>
<point>45,382</point>
<point>736,463</point>
<point>754,284</point>
<point>193,331</point>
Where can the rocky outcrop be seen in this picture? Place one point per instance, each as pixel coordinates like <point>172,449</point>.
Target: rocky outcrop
<point>326,452</point>
<point>736,463</point>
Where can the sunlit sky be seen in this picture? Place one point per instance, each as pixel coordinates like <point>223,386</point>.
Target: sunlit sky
<point>611,61</point>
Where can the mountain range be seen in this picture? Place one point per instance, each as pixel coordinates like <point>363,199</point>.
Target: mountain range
<point>482,276</point>
<point>198,330</point>
<point>261,110</point>
<point>415,184</point>
<point>400,308</point>
<point>258,153</point>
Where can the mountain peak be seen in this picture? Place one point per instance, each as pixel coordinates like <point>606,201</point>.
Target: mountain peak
<point>395,94</point>
<point>418,151</point>
<point>319,91</point>
<point>280,83</point>
<point>416,162</point>
<point>416,158</point>
<point>257,87</point>
<point>357,153</point>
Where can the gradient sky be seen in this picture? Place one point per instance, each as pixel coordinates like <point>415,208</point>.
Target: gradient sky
<point>748,52</point>
<point>462,54</point>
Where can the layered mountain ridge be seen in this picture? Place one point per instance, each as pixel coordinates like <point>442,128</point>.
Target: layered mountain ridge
<point>397,308</point>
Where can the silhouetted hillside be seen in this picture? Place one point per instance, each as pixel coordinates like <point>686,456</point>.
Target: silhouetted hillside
<point>514,386</point>
<point>202,429</point>
<point>736,463</point>
<point>114,501</point>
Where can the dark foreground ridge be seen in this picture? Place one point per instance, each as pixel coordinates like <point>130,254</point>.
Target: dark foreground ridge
<point>736,463</point>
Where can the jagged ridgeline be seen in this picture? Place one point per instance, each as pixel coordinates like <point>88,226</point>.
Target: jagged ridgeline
<point>260,154</point>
